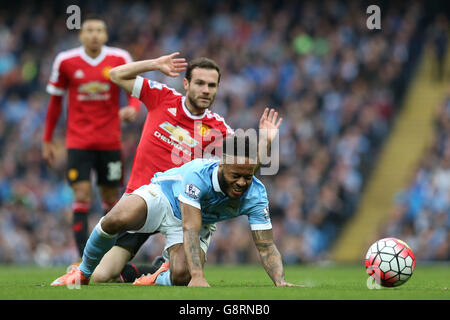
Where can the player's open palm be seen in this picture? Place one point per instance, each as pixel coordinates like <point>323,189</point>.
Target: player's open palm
<point>269,124</point>
<point>172,66</point>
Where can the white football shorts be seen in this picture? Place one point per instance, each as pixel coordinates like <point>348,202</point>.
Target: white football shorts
<point>160,218</point>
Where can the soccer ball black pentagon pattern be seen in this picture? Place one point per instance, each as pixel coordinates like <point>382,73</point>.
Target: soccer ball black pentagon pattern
<point>390,262</point>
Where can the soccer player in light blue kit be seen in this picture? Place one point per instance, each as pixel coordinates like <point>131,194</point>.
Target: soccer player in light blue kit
<point>184,203</point>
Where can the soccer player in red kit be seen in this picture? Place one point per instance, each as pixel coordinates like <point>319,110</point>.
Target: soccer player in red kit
<point>178,129</point>
<point>93,135</point>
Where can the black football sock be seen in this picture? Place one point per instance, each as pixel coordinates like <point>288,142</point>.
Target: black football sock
<point>80,230</point>
<point>131,272</point>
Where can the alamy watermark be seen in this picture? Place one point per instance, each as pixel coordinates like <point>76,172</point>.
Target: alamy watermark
<point>374,280</point>
<point>74,20</point>
<point>76,284</point>
<point>374,20</point>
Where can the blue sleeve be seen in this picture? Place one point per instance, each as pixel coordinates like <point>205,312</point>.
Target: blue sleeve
<point>258,214</point>
<point>194,187</point>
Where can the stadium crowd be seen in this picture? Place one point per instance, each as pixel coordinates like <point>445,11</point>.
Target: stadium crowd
<point>336,83</point>
<point>421,215</point>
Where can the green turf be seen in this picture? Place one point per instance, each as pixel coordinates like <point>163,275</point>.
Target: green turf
<point>235,283</point>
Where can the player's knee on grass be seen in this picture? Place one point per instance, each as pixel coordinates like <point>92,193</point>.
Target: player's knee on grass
<point>111,265</point>
<point>179,270</point>
<point>180,275</point>
<point>103,276</point>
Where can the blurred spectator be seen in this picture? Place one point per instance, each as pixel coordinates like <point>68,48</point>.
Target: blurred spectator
<point>336,84</point>
<point>439,38</point>
<point>422,211</point>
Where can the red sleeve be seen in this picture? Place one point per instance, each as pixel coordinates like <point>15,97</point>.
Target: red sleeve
<point>151,92</point>
<point>53,113</point>
<point>134,102</point>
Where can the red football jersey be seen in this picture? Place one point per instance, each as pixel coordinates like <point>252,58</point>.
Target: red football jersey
<point>93,100</point>
<point>171,135</point>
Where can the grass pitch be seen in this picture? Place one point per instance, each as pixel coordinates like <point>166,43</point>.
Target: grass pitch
<point>429,282</point>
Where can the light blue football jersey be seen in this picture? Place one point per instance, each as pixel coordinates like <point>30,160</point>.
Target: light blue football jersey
<point>196,183</point>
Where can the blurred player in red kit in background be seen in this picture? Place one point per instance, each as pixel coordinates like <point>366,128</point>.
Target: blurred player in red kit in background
<point>93,134</point>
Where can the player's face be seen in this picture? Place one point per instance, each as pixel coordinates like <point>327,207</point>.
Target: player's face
<point>93,34</point>
<point>201,90</point>
<point>235,179</point>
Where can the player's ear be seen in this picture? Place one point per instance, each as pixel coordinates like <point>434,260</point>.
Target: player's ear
<point>186,84</point>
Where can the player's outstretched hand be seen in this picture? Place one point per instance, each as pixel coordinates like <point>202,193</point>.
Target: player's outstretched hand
<point>269,124</point>
<point>171,66</point>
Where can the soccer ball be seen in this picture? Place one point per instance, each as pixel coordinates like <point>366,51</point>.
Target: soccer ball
<point>390,262</point>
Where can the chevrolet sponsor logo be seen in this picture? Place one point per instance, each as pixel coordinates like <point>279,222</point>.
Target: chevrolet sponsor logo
<point>179,134</point>
<point>94,87</point>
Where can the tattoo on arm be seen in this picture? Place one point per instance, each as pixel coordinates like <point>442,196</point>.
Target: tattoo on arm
<point>270,256</point>
<point>192,223</point>
<point>192,249</point>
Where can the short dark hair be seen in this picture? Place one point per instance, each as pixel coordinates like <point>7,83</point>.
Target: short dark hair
<point>202,62</point>
<point>239,145</point>
<point>93,16</point>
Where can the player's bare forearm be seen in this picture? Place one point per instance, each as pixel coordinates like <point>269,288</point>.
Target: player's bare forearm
<point>125,75</point>
<point>131,70</point>
<point>192,249</point>
<point>270,256</point>
<point>192,223</point>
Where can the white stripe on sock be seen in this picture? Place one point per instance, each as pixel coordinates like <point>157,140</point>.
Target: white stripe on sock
<point>102,233</point>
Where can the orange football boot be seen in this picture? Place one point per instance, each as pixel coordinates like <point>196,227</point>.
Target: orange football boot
<point>150,279</point>
<point>73,277</point>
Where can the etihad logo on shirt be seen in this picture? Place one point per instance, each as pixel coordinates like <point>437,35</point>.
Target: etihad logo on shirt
<point>179,134</point>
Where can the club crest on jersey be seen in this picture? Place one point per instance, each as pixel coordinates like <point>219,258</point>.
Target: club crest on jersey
<point>179,134</point>
<point>192,191</point>
<point>203,129</point>
<point>105,72</point>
